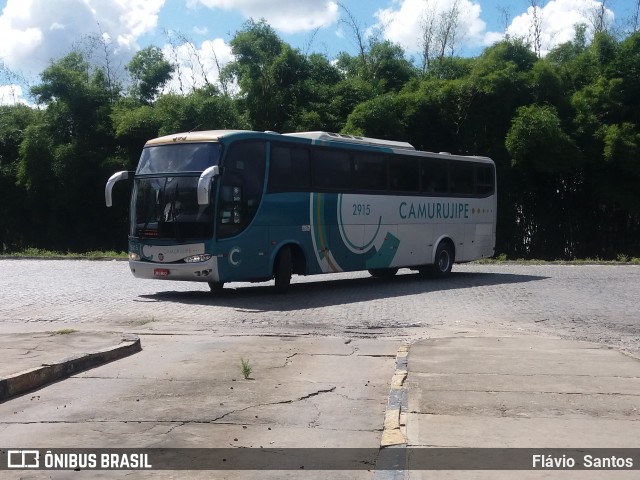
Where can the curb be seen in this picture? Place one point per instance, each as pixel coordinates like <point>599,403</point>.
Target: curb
<point>32,379</point>
<point>395,414</point>
<point>391,462</point>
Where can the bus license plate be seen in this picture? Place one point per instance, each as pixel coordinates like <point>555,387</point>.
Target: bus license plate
<point>161,272</point>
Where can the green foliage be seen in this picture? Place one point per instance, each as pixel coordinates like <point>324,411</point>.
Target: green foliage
<point>270,75</point>
<point>150,72</point>
<point>622,145</point>
<point>564,131</point>
<point>380,117</point>
<point>536,140</point>
<point>246,368</point>
<point>35,159</point>
<point>569,51</point>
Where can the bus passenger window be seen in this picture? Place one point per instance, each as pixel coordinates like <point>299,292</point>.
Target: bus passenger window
<point>403,174</point>
<point>461,179</point>
<point>434,176</point>
<point>289,169</point>
<point>369,172</point>
<point>331,169</point>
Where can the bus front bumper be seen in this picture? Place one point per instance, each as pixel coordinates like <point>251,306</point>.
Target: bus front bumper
<point>192,272</point>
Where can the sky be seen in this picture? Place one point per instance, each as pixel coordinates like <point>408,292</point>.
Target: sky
<point>33,33</point>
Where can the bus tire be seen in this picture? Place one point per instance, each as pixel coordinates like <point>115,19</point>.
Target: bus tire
<point>383,272</point>
<point>216,287</point>
<point>443,260</point>
<point>282,270</point>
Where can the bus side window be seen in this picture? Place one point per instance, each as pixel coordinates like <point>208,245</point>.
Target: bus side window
<point>331,169</point>
<point>461,178</point>
<point>369,171</point>
<point>403,174</point>
<point>289,169</point>
<point>434,177</point>
<point>241,187</point>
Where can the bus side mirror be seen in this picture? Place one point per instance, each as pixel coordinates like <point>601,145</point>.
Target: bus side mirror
<point>204,184</point>
<point>108,189</point>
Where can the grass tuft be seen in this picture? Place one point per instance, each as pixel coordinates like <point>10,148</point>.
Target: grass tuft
<point>245,368</point>
<point>65,331</point>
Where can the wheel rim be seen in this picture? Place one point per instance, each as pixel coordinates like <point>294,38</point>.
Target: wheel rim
<point>443,261</point>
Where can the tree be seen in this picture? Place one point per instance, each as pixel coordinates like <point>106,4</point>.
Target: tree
<point>150,72</point>
<point>547,166</point>
<point>359,37</point>
<point>15,211</point>
<point>270,75</point>
<point>380,117</point>
<point>535,29</point>
<point>65,158</point>
<point>536,140</point>
<point>322,108</point>
<point>440,34</point>
<point>569,51</point>
<point>598,16</point>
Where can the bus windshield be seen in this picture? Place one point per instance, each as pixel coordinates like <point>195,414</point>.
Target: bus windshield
<point>164,202</point>
<point>177,158</point>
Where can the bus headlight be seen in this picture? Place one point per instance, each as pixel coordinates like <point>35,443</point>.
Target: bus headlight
<point>203,257</point>
<point>134,256</point>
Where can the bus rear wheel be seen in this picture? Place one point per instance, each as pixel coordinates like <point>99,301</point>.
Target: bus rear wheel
<point>443,261</point>
<point>383,272</point>
<point>282,270</point>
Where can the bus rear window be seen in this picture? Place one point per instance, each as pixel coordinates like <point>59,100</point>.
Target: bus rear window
<point>484,179</point>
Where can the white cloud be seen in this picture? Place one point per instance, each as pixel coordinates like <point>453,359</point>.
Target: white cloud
<point>33,32</point>
<point>12,95</point>
<point>196,65</point>
<point>288,16</point>
<point>558,21</point>
<point>403,22</point>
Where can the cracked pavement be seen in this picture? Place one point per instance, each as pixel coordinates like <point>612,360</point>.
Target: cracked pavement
<point>323,358</point>
<point>188,391</point>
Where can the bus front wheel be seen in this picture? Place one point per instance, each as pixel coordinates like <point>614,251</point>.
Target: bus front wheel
<point>282,270</point>
<point>216,287</point>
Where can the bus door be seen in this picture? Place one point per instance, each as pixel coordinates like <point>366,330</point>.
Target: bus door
<point>242,244</point>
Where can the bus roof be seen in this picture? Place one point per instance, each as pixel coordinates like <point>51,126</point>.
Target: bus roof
<point>321,137</point>
<point>316,137</point>
<point>197,136</point>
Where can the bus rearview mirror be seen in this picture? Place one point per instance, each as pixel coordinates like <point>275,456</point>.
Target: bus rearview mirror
<point>204,184</point>
<point>108,189</point>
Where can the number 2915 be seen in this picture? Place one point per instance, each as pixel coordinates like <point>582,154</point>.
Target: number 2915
<point>361,209</point>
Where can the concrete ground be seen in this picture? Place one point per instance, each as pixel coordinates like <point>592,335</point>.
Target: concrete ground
<point>527,392</point>
<point>185,391</point>
<point>489,357</point>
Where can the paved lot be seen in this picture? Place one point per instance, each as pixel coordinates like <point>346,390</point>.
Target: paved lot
<point>594,303</point>
<point>313,349</point>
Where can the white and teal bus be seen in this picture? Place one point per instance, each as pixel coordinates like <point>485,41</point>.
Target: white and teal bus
<point>229,206</point>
